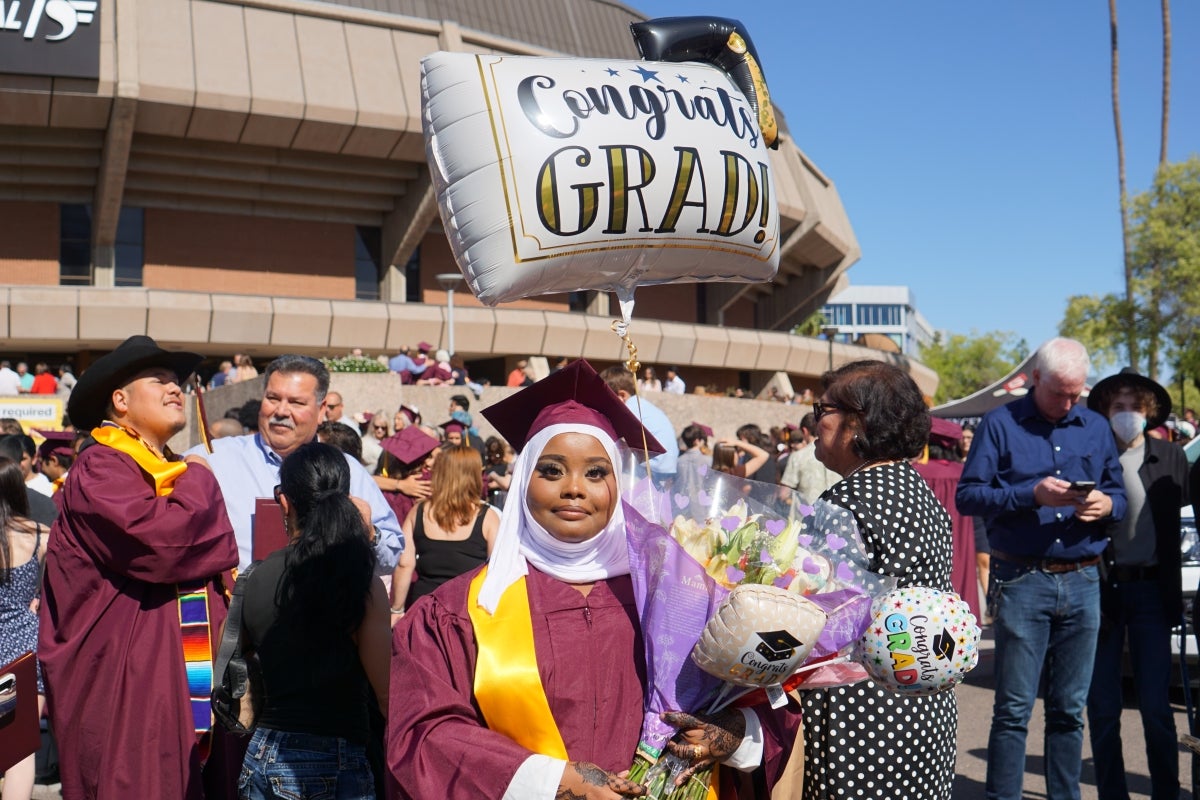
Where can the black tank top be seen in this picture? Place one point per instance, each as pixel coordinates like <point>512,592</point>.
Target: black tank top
<point>314,679</point>
<point>439,560</point>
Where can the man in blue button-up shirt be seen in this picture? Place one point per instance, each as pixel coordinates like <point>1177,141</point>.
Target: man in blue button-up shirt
<point>247,467</point>
<point>1046,539</point>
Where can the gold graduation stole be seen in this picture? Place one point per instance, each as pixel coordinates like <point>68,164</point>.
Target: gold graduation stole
<point>192,596</point>
<point>508,687</point>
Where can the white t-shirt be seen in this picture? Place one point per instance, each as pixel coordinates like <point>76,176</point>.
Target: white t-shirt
<point>10,382</point>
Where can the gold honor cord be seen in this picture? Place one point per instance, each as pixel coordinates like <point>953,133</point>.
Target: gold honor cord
<point>766,112</point>
<point>621,329</point>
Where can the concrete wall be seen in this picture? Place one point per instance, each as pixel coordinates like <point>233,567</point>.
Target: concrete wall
<point>369,392</point>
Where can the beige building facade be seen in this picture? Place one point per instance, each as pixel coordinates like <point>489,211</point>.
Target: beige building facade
<point>249,176</point>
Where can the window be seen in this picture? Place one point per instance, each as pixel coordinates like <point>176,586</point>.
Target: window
<point>129,250</point>
<point>412,278</point>
<point>75,245</point>
<point>367,248</point>
<point>581,301</point>
<point>869,314</point>
<point>837,314</point>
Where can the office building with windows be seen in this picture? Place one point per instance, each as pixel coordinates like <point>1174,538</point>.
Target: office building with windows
<point>866,313</point>
<point>249,176</point>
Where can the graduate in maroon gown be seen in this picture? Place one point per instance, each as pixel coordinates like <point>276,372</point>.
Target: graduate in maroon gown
<point>942,472</point>
<point>407,455</point>
<point>525,679</point>
<point>134,593</point>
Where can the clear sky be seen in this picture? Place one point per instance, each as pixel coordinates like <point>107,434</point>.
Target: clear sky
<point>972,143</point>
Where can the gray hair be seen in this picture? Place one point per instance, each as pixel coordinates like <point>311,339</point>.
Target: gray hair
<point>1063,358</point>
<point>292,363</point>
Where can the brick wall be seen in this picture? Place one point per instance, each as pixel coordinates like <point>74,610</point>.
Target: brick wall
<point>204,252</point>
<point>29,244</point>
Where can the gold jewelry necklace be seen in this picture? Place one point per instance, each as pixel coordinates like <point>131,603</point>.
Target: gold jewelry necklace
<point>868,465</point>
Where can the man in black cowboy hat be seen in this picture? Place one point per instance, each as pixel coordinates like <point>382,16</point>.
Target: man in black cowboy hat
<point>133,598</point>
<point>1141,596</point>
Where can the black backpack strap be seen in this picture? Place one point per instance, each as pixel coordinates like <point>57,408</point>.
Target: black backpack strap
<point>231,639</point>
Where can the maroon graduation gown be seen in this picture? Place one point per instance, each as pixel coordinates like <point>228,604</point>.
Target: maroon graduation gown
<point>942,477</point>
<point>110,642</point>
<point>591,663</point>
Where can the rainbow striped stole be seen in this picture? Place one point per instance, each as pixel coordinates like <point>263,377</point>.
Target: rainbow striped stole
<point>192,596</point>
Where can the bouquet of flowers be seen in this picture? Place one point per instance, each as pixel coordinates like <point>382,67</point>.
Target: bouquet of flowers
<point>688,553</point>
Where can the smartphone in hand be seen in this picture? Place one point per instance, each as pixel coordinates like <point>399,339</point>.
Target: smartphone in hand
<point>1082,486</point>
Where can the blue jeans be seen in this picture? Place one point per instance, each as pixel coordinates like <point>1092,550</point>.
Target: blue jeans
<point>1041,619</point>
<point>1142,618</point>
<point>290,766</point>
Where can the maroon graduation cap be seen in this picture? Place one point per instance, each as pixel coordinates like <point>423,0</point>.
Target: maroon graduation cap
<point>56,442</point>
<point>573,395</point>
<point>944,433</point>
<point>410,445</point>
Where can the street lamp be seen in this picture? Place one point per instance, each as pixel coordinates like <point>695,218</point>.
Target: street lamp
<point>830,331</point>
<point>449,282</point>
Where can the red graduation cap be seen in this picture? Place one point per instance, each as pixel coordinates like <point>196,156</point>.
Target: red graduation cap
<point>573,395</point>
<point>410,446</point>
<point>410,411</point>
<point>707,431</point>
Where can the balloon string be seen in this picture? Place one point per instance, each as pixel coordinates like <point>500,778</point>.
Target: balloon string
<point>621,328</point>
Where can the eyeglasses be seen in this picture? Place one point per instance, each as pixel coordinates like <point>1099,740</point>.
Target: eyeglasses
<point>380,427</point>
<point>278,492</point>
<point>821,409</point>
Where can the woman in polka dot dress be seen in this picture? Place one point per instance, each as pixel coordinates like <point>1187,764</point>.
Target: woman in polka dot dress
<point>863,741</point>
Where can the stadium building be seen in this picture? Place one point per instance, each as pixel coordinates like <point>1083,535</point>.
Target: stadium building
<point>249,176</point>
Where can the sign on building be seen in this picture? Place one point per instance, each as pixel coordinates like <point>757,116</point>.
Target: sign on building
<point>60,38</point>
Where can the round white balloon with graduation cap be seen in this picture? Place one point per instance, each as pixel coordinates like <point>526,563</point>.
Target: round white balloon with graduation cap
<point>759,636</point>
<point>921,641</point>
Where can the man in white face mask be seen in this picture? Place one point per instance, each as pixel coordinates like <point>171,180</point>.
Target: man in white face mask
<point>1141,596</point>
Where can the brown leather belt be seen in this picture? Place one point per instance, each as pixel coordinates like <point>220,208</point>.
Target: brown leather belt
<point>1047,564</point>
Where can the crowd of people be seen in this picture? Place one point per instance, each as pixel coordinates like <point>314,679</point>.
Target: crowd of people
<point>442,590</point>
<point>42,381</point>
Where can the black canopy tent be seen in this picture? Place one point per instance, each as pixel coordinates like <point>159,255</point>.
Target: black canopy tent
<point>970,409</point>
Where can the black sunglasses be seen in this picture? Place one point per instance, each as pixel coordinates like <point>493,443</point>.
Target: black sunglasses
<point>278,492</point>
<point>821,409</point>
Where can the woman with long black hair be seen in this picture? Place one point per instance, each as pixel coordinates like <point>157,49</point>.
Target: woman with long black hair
<point>317,620</point>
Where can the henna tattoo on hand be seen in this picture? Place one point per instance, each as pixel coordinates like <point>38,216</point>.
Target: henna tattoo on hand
<point>591,773</point>
<point>723,733</point>
<point>566,794</point>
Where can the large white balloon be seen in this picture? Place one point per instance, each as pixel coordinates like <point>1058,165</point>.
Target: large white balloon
<point>556,175</point>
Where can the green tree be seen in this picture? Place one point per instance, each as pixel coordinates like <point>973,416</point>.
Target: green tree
<point>1093,319</point>
<point>966,364</point>
<point>811,326</point>
<point>1163,310</point>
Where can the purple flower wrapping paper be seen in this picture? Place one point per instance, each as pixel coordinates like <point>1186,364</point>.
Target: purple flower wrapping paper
<point>675,599</point>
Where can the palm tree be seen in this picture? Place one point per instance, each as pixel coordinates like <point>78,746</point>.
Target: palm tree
<point>1131,339</point>
<point>1166,80</point>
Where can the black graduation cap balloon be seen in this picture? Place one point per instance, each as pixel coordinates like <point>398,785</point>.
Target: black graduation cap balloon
<point>724,43</point>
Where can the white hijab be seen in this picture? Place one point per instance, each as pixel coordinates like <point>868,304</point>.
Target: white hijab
<point>522,541</point>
